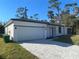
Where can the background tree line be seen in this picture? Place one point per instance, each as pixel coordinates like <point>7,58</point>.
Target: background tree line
<point>1,28</point>
<point>65,15</point>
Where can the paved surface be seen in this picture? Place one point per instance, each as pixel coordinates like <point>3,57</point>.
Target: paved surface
<point>45,49</point>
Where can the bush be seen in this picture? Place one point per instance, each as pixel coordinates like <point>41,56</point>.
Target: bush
<point>1,35</point>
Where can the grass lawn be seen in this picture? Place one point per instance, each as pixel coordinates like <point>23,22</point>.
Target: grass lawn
<point>71,39</point>
<point>14,51</point>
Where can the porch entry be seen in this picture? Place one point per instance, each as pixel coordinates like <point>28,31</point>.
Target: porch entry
<point>69,31</point>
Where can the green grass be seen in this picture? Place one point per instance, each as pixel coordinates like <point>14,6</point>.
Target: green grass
<point>71,39</point>
<point>14,51</point>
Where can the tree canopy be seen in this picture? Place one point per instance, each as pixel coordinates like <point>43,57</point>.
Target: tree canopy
<point>66,16</point>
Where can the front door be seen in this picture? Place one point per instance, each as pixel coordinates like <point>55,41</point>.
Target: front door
<point>69,31</point>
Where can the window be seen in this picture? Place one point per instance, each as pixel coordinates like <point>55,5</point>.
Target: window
<point>59,29</point>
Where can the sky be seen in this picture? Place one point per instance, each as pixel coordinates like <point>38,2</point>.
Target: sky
<point>8,8</point>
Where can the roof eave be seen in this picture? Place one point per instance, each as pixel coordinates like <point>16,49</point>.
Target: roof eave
<point>8,23</point>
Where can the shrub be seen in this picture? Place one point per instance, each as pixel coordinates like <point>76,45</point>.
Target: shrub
<point>6,38</point>
<point>1,35</point>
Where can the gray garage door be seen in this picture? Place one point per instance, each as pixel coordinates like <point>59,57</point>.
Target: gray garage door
<point>30,33</point>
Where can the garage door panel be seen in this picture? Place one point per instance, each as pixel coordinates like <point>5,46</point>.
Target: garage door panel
<point>29,33</point>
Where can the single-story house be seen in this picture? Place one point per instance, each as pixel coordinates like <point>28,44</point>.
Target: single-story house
<point>26,29</point>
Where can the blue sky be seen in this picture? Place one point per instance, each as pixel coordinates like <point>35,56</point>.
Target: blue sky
<point>8,8</point>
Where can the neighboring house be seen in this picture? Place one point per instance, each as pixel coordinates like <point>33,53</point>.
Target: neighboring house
<point>21,30</point>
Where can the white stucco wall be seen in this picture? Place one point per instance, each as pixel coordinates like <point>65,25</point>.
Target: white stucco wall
<point>49,31</point>
<point>29,31</point>
<point>21,31</point>
<point>65,30</point>
<point>53,31</point>
<point>56,31</point>
<point>29,24</point>
<point>10,30</point>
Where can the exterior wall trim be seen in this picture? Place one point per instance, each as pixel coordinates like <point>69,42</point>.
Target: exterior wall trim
<point>30,26</point>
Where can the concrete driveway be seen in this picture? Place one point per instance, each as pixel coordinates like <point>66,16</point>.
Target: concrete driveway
<point>45,49</point>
